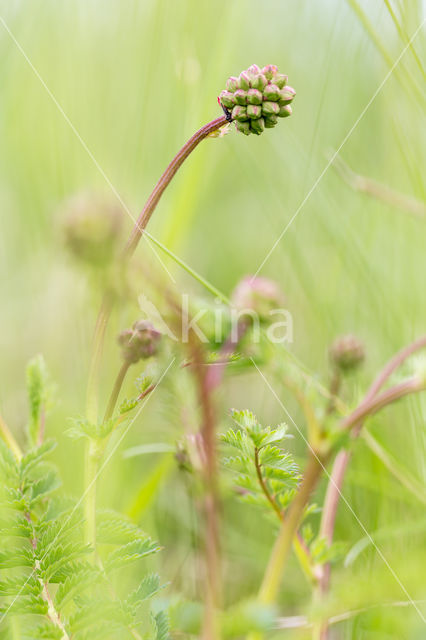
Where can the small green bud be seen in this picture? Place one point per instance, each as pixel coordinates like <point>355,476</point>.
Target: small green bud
<point>258,125</point>
<point>140,342</point>
<point>271,121</point>
<point>269,71</point>
<point>232,84</point>
<point>254,111</point>
<point>271,92</point>
<point>254,96</point>
<point>243,127</point>
<point>285,111</point>
<point>286,95</point>
<point>280,80</point>
<point>239,113</point>
<point>240,97</point>
<point>270,108</point>
<point>244,81</point>
<point>259,82</point>
<point>227,99</point>
<point>347,352</point>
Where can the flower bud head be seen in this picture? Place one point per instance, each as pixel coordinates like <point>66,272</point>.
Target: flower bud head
<point>264,88</point>
<point>347,352</point>
<point>92,226</point>
<point>257,294</point>
<point>140,342</point>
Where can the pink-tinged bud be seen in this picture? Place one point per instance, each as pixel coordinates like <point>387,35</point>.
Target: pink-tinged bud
<point>257,294</point>
<point>271,121</point>
<point>232,84</point>
<point>285,111</point>
<point>259,82</point>
<point>227,99</point>
<point>253,70</point>
<point>271,92</point>
<point>280,80</point>
<point>347,352</point>
<point>140,342</point>
<point>270,108</point>
<point>254,96</point>
<point>243,127</point>
<point>240,97</point>
<point>286,95</point>
<point>254,111</point>
<point>269,71</point>
<point>239,113</point>
<point>258,126</point>
<point>244,81</point>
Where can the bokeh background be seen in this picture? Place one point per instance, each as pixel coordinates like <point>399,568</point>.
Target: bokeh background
<point>134,80</point>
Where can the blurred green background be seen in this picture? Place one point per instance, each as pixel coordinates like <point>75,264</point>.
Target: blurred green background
<point>136,79</point>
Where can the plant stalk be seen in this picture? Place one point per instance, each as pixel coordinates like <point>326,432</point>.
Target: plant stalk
<point>8,438</point>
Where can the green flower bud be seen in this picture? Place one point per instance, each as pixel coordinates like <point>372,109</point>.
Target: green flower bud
<point>140,342</point>
<point>254,96</point>
<point>271,92</point>
<point>280,80</point>
<point>240,97</point>
<point>286,95</point>
<point>259,82</point>
<point>271,121</point>
<point>243,127</point>
<point>254,111</point>
<point>239,113</point>
<point>91,226</point>
<point>227,99</point>
<point>257,94</point>
<point>270,108</point>
<point>347,352</point>
<point>232,84</point>
<point>285,111</point>
<point>244,81</point>
<point>269,71</point>
<point>258,125</point>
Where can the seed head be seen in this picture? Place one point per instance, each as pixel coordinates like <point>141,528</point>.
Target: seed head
<point>265,89</point>
<point>257,294</point>
<point>139,342</point>
<point>347,352</point>
<point>92,225</point>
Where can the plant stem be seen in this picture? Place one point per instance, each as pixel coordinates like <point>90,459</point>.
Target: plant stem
<point>6,435</point>
<point>165,180</point>
<point>116,390</point>
<point>93,455</point>
<point>273,575</point>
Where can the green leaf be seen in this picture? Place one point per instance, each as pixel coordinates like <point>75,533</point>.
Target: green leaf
<point>129,553</point>
<point>161,625</point>
<point>46,484</point>
<point>149,586</point>
<point>40,395</point>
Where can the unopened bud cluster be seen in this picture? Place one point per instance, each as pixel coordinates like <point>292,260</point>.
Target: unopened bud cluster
<point>258,294</point>
<point>257,98</point>
<point>139,342</point>
<point>347,352</point>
